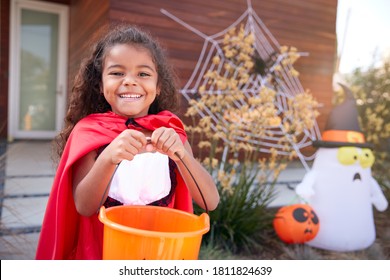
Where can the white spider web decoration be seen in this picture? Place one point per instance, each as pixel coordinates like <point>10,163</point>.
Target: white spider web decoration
<point>267,48</point>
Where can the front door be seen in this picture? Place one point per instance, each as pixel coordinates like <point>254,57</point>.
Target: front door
<point>38,69</point>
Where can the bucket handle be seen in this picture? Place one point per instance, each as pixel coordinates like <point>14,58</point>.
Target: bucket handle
<point>176,154</point>
<point>196,183</point>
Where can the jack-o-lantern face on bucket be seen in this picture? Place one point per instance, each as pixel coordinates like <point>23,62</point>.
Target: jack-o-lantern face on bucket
<point>296,223</point>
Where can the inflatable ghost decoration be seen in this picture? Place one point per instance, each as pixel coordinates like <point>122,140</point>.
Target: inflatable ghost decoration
<point>339,186</point>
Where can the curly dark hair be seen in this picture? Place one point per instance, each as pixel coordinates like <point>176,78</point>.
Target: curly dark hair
<point>86,97</point>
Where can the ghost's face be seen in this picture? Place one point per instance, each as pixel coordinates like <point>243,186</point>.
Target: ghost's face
<point>352,155</point>
<point>348,164</point>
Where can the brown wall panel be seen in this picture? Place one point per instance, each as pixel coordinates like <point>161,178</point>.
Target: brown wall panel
<point>4,62</point>
<point>86,18</point>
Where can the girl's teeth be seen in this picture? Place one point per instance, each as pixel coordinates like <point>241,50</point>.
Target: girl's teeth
<point>129,96</point>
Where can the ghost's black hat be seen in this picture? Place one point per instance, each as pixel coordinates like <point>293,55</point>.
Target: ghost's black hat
<point>342,128</point>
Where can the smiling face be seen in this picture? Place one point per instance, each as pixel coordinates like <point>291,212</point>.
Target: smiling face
<point>129,80</point>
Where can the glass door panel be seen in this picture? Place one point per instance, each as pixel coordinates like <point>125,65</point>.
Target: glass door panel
<point>38,70</point>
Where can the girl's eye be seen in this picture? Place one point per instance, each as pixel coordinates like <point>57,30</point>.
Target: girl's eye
<point>143,74</point>
<point>116,74</point>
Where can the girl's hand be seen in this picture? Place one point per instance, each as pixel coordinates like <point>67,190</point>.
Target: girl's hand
<point>167,141</point>
<point>125,146</point>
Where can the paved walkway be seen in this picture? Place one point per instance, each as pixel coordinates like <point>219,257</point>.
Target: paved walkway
<point>26,176</point>
<point>24,187</point>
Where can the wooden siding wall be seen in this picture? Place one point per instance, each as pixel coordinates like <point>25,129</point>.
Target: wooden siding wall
<point>86,17</point>
<point>4,62</point>
<point>309,25</point>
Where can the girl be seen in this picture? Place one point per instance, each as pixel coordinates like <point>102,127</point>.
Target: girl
<point>121,145</point>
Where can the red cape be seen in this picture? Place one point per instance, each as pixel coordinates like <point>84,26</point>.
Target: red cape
<point>67,235</point>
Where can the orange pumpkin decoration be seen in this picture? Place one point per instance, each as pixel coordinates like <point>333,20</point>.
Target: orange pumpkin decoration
<point>296,224</point>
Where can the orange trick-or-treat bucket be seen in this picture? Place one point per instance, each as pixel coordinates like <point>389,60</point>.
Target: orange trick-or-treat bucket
<point>151,233</point>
